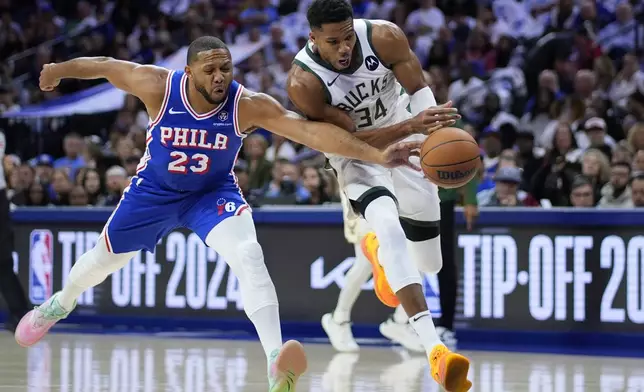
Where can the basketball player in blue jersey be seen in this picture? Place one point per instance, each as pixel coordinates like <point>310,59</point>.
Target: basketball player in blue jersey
<point>362,76</point>
<point>199,118</point>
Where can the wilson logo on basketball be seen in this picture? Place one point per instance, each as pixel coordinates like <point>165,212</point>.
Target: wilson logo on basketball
<point>454,175</point>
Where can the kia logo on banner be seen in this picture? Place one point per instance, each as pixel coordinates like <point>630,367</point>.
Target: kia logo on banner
<point>337,275</point>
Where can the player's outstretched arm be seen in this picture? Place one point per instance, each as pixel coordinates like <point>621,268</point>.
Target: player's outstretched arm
<point>392,47</point>
<point>147,82</point>
<point>257,110</point>
<point>308,95</point>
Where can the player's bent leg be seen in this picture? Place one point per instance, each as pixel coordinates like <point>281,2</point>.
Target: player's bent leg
<point>235,240</point>
<point>448,369</point>
<point>337,325</point>
<point>402,274</point>
<point>90,270</point>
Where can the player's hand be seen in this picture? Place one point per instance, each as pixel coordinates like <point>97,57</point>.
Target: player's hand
<point>434,118</point>
<point>470,212</point>
<point>47,79</point>
<point>398,154</point>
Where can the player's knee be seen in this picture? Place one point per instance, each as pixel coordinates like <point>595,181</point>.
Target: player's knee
<point>424,244</point>
<point>251,258</point>
<point>427,255</point>
<point>106,259</point>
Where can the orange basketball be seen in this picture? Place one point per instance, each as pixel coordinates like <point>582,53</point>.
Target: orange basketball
<point>450,157</point>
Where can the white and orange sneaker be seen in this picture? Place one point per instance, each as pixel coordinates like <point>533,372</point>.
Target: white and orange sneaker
<point>449,369</point>
<point>385,294</point>
<point>285,366</point>
<point>35,324</point>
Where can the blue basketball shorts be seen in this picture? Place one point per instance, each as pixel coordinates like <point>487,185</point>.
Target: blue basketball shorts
<point>146,213</point>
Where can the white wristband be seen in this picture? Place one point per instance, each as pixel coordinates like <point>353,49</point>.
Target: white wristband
<point>421,100</point>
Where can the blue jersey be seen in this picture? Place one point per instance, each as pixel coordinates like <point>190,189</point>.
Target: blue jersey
<point>185,178</point>
<point>187,151</point>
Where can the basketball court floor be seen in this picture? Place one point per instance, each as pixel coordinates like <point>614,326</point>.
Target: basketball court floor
<point>139,363</point>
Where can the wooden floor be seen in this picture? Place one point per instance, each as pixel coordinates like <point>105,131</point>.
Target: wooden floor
<point>125,363</point>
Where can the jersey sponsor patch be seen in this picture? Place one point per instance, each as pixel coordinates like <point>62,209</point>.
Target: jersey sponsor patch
<point>371,62</point>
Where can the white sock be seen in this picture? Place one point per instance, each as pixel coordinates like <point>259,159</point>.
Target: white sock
<point>357,275</point>
<point>90,270</point>
<point>424,327</point>
<point>69,294</point>
<point>267,323</point>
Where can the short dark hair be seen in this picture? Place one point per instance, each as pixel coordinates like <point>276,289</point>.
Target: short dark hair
<point>202,44</point>
<point>622,164</point>
<point>328,11</point>
<point>638,175</point>
<point>579,181</point>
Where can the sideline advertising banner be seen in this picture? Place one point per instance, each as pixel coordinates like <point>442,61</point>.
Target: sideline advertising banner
<point>525,270</point>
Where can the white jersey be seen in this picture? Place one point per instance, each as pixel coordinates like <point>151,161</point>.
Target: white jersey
<point>368,90</point>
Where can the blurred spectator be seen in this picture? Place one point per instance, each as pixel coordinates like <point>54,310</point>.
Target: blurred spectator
<point>243,180</point>
<point>73,160</point>
<point>315,184</point>
<point>259,14</point>
<point>638,162</point>
<point>622,153</point>
<point>259,168</point>
<point>616,193</point>
<point>280,149</point>
<point>427,20</point>
<point>637,191</point>
<point>36,196</point>
<point>61,185</point>
<point>553,181</point>
<point>93,187</point>
<point>78,197</point>
<point>285,186</point>
<point>636,137</point>
<point>506,191</point>
<point>619,36</point>
<point>380,9</point>
<point>595,166</point>
<point>253,76</point>
<point>595,134</point>
<point>625,82</point>
<point>44,168</point>
<point>115,182</point>
<point>529,157</point>
<point>582,193</point>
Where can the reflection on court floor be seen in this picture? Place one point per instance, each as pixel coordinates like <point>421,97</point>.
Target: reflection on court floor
<point>115,363</point>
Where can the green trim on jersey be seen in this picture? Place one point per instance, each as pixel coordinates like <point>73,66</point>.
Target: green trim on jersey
<point>353,67</point>
<point>403,92</point>
<point>373,48</point>
<point>327,94</point>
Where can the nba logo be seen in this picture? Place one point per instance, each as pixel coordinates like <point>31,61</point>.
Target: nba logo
<point>432,294</point>
<point>41,261</point>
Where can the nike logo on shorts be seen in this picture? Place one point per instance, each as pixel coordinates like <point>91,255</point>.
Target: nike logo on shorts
<point>172,111</point>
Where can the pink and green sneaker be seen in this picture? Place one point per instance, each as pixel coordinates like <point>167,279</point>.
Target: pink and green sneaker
<point>35,324</point>
<point>285,366</point>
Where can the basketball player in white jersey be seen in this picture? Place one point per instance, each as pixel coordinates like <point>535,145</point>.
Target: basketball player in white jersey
<point>337,324</point>
<point>352,73</point>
